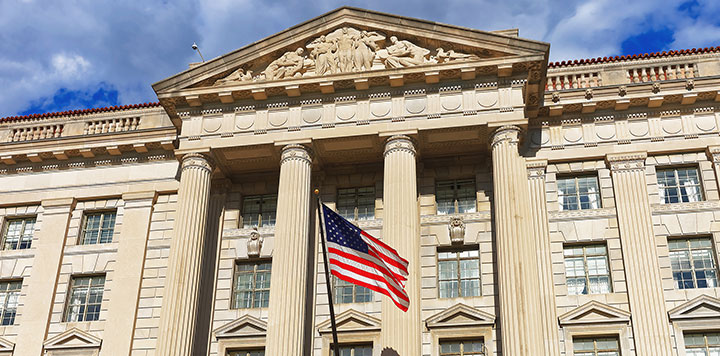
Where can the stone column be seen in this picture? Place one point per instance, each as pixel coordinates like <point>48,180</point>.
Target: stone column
<point>402,331</point>
<point>178,316</point>
<point>125,294</point>
<point>713,154</point>
<point>541,236</point>
<point>287,309</point>
<point>651,327</point>
<point>48,243</point>
<point>520,304</point>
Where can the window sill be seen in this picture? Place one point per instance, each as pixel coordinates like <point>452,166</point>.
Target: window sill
<point>587,213</point>
<point>14,254</point>
<point>686,207</point>
<point>108,247</point>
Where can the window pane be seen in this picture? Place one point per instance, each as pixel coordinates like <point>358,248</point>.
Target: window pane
<point>98,228</point>
<point>596,346</point>
<point>85,298</point>
<point>679,185</point>
<point>578,193</point>
<point>259,210</point>
<point>346,292</point>
<point>586,269</point>
<point>459,273</point>
<point>693,263</point>
<point>251,287</point>
<point>18,233</point>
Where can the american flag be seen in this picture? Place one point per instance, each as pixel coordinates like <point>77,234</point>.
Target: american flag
<point>358,258</point>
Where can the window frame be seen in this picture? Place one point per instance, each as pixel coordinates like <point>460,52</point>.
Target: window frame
<point>4,306</point>
<point>259,217</point>
<point>356,203</point>
<point>6,226</point>
<point>83,227</point>
<point>705,347</point>
<point>334,280</point>
<point>455,198</point>
<point>457,251</point>
<point>353,345</point>
<point>577,195</point>
<point>584,246</point>
<point>595,339</point>
<point>68,298</point>
<point>255,262</point>
<point>462,341</point>
<point>713,259</point>
<point>247,352</point>
<point>661,192</point>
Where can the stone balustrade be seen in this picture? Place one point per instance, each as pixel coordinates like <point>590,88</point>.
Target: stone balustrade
<point>111,125</point>
<point>35,133</point>
<point>658,73</point>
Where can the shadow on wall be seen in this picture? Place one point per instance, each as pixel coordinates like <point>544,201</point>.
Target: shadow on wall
<point>389,352</point>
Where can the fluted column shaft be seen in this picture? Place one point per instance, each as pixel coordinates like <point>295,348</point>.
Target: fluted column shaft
<point>520,306</point>
<point>402,331</point>
<point>287,308</point>
<point>178,316</point>
<point>538,208</point>
<point>713,153</point>
<point>651,327</point>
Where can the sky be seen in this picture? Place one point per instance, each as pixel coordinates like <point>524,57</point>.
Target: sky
<point>77,54</point>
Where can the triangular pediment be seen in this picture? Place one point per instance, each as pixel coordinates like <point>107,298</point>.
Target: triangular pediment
<point>6,345</point>
<point>72,339</point>
<point>701,307</point>
<point>349,321</point>
<point>349,41</point>
<point>460,315</point>
<point>594,312</point>
<point>245,326</point>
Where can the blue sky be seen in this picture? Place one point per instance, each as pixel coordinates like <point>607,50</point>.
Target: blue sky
<point>75,54</point>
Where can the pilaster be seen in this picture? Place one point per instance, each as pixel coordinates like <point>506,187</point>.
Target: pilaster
<point>650,324</point>
<point>520,304</point>
<point>402,331</point>
<point>122,311</point>
<point>713,153</point>
<point>178,317</point>
<point>48,243</point>
<point>538,208</point>
<point>288,298</point>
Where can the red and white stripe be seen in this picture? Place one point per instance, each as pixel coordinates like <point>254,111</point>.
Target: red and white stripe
<point>396,264</point>
<point>369,270</point>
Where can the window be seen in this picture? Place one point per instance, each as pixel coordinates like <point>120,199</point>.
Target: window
<point>692,263</point>
<point>346,292</point>
<point>578,193</point>
<point>259,210</point>
<point>605,346</point>
<point>459,273</point>
<point>456,197</point>
<point>98,228</point>
<point>18,233</point>
<point>679,185</point>
<point>462,348</point>
<point>9,294</point>
<point>247,353</point>
<point>586,269</point>
<point>356,203</point>
<point>356,350</point>
<point>85,297</point>
<point>252,285</point>
<point>702,344</point>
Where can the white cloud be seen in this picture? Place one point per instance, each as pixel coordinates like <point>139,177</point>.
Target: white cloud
<point>69,65</point>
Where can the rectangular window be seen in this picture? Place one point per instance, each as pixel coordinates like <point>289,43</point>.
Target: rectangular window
<point>85,298</point>
<point>578,193</point>
<point>247,353</point>
<point>18,233</point>
<point>459,273</point>
<point>353,350</point>
<point>346,292</point>
<point>259,210</point>
<point>356,203</point>
<point>692,262</point>
<point>462,348</point>
<point>456,196</point>
<point>9,294</point>
<point>586,269</point>
<point>252,285</point>
<point>679,185</point>
<point>605,346</point>
<point>98,228</point>
<point>702,344</point>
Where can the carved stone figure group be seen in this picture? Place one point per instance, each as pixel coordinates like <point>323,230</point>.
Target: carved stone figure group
<point>346,50</point>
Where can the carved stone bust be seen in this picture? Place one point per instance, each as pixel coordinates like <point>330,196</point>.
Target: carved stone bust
<point>254,244</point>
<point>456,229</point>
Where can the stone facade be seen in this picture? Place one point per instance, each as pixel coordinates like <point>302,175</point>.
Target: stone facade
<point>402,107</point>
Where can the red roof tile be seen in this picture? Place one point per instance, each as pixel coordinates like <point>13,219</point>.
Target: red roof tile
<point>628,57</point>
<point>80,112</point>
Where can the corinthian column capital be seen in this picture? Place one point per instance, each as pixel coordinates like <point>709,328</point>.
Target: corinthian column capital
<point>507,133</point>
<point>197,161</point>
<point>396,143</point>
<point>632,161</point>
<point>295,151</point>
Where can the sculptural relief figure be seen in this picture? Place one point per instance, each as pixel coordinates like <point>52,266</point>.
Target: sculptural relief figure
<point>365,48</point>
<point>345,50</point>
<point>239,75</point>
<point>254,244</point>
<point>287,66</point>
<point>456,229</point>
<point>401,54</point>
<point>323,51</point>
<point>451,55</point>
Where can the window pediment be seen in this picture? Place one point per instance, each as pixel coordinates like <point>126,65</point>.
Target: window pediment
<point>350,321</point>
<point>245,326</point>
<point>72,339</point>
<point>460,315</point>
<point>701,307</point>
<point>6,346</point>
<point>594,312</point>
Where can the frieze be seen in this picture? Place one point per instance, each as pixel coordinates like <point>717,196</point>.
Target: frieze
<point>685,207</point>
<point>581,214</point>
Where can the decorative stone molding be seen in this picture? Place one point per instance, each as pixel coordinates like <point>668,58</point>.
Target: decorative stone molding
<point>399,143</point>
<point>460,315</point>
<point>456,229</point>
<point>197,161</point>
<point>245,326</point>
<point>706,205</point>
<point>594,312</point>
<point>633,161</point>
<point>702,307</point>
<point>713,154</point>
<point>73,339</point>
<point>6,347</point>
<point>349,321</point>
<point>255,243</point>
<point>296,152</point>
<point>536,168</point>
<point>509,133</point>
<point>579,214</point>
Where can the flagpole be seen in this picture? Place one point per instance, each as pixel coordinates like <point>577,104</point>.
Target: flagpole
<point>336,346</point>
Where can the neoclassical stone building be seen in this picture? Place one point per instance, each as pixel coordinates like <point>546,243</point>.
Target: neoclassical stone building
<point>546,208</point>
